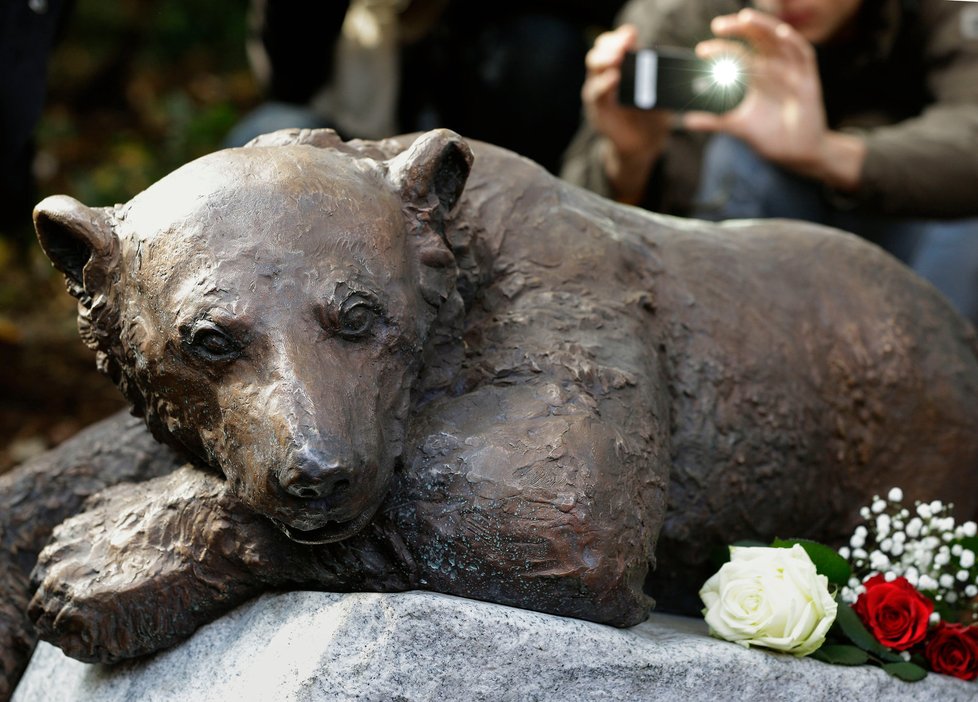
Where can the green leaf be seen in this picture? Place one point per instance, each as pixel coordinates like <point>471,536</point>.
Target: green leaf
<point>907,672</point>
<point>841,654</point>
<point>854,630</point>
<point>827,561</point>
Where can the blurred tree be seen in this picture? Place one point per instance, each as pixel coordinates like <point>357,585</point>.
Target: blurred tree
<point>134,89</point>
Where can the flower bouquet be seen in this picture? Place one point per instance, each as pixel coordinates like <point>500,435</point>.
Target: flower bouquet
<point>902,595</point>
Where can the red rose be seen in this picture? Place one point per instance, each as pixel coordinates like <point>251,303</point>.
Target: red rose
<point>953,650</point>
<point>894,612</point>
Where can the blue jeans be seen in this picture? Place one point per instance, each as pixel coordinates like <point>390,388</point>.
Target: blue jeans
<point>269,117</point>
<point>738,184</point>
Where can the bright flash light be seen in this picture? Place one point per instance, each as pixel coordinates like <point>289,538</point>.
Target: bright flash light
<point>725,72</point>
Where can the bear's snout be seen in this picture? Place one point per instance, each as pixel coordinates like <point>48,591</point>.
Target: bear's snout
<point>315,475</point>
<point>330,495</point>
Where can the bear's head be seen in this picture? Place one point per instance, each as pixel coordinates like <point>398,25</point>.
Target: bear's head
<point>267,310</point>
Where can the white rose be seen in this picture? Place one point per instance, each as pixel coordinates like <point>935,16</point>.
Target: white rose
<point>770,597</point>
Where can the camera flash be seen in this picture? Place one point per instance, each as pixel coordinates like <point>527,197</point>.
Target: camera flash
<point>725,72</point>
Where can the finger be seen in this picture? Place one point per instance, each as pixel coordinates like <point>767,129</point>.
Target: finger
<point>718,48</point>
<point>599,85</point>
<point>766,33</point>
<point>609,48</point>
<point>703,122</point>
<point>794,44</point>
<point>748,20</point>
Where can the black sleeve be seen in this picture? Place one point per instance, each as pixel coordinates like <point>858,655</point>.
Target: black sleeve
<point>298,38</point>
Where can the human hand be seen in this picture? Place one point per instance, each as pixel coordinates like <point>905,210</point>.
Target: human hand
<point>634,138</point>
<point>782,116</point>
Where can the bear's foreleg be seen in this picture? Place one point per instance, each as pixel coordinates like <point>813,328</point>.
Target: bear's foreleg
<point>39,494</point>
<point>145,565</point>
<point>525,495</point>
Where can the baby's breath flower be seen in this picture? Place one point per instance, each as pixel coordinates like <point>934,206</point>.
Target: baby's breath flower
<point>878,561</point>
<point>935,619</point>
<point>922,544</point>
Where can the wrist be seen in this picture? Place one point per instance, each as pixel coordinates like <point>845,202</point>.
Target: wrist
<point>838,162</point>
<point>628,172</point>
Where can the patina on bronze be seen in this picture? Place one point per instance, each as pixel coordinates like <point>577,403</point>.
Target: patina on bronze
<point>510,390</point>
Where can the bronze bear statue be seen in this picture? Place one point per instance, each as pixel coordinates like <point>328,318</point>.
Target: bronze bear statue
<point>388,372</point>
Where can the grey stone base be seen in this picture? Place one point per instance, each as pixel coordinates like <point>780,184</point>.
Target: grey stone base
<point>314,646</point>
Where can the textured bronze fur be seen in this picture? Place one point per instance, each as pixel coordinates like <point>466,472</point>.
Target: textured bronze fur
<point>47,490</point>
<point>518,392</point>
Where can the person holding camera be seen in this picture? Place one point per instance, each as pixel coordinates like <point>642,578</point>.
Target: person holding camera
<point>859,114</point>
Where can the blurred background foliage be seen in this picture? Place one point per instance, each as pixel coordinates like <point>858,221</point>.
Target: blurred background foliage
<point>136,88</point>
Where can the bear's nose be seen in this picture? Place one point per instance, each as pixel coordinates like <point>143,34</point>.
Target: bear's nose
<point>312,477</point>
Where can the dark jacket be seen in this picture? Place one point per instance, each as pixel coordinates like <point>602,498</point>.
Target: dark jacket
<point>908,83</point>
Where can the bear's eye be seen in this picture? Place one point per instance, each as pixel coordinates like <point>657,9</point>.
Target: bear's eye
<point>210,342</point>
<point>356,318</point>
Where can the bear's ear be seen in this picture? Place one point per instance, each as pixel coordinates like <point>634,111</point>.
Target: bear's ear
<point>79,241</point>
<point>431,174</point>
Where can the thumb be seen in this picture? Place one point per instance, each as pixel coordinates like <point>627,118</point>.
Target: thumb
<point>703,122</point>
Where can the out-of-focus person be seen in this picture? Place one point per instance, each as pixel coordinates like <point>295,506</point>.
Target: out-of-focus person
<point>508,72</point>
<point>859,114</point>
<point>28,30</point>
